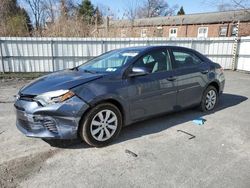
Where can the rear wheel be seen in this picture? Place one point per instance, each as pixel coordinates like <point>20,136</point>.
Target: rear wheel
<point>209,99</point>
<point>101,125</point>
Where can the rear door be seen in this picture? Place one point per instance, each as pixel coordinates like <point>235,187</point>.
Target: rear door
<point>191,76</point>
<point>154,93</point>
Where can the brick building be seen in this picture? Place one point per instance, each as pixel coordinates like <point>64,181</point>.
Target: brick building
<point>203,25</point>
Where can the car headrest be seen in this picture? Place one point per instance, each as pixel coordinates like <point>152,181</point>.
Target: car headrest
<point>189,60</point>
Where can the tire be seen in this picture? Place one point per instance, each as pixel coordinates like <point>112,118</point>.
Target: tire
<point>210,96</point>
<point>101,125</point>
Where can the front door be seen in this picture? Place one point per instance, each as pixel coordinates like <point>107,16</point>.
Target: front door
<point>155,92</point>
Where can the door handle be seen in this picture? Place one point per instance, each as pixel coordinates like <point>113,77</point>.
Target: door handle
<point>171,78</point>
<point>205,71</point>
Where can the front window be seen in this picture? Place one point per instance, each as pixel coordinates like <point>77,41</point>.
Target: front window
<point>156,61</point>
<point>110,61</point>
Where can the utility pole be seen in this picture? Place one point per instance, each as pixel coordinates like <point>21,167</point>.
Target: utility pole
<point>236,47</point>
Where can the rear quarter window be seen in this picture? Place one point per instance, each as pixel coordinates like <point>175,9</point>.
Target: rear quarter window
<point>185,59</point>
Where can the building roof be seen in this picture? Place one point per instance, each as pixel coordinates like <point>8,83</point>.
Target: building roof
<point>189,19</point>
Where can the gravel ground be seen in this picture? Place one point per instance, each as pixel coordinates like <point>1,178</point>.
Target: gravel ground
<point>153,153</point>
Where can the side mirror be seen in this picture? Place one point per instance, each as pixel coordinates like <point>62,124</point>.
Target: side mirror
<point>138,71</point>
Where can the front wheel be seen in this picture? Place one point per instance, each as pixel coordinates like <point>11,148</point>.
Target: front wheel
<point>209,99</point>
<point>101,125</point>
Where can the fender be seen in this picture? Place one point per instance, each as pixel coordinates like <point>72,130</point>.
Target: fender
<point>94,93</point>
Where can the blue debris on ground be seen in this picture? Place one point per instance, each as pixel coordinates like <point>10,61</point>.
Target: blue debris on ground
<point>199,121</point>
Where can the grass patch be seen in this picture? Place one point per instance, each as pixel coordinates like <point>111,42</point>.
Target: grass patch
<point>23,75</point>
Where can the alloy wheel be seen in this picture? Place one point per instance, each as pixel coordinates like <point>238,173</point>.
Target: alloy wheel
<point>103,125</point>
<point>211,98</point>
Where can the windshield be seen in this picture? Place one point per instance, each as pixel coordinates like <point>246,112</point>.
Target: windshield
<point>109,62</point>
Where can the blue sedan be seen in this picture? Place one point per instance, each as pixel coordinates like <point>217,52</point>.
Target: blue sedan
<point>95,100</point>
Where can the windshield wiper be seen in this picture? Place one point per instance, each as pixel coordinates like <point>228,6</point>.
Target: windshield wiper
<point>75,68</point>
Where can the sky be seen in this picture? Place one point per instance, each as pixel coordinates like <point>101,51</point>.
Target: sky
<point>190,6</point>
<point>118,7</point>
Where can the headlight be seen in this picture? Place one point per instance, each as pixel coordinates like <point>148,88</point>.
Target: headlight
<point>53,97</point>
<point>16,97</point>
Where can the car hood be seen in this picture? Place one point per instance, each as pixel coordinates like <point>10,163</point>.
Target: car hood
<point>65,79</point>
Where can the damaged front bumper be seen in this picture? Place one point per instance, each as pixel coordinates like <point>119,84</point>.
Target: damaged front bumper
<point>58,121</point>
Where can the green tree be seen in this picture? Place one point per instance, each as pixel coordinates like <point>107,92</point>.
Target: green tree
<point>14,20</point>
<point>181,11</point>
<point>154,8</point>
<point>86,11</point>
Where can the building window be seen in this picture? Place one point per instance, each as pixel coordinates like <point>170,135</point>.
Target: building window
<point>123,33</point>
<point>223,31</point>
<point>173,32</point>
<point>144,32</point>
<point>234,30</point>
<point>159,32</point>
<point>202,32</point>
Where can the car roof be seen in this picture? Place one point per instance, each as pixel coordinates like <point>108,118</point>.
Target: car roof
<point>146,48</point>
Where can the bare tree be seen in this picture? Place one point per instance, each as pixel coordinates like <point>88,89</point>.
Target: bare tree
<point>241,4</point>
<point>73,27</point>
<point>3,7</point>
<point>224,7</point>
<point>50,8</point>
<point>37,10</point>
<point>154,8</point>
<point>64,9</point>
<point>106,11</point>
<point>131,9</point>
<point>221,5</point>
<point>7,8</point>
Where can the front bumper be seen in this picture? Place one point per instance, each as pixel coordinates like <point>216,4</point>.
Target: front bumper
<point>58,121</point>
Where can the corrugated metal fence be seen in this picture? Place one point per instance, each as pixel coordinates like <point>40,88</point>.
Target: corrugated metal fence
<point>51,54</point>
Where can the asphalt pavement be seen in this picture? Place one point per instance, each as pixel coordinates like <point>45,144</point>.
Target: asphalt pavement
<point>168,151</point>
